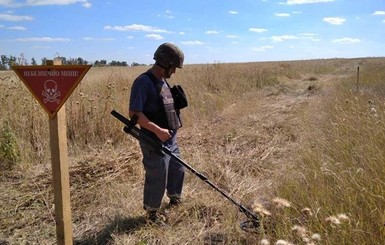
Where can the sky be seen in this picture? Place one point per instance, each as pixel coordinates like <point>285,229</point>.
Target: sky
<point>208,31</point>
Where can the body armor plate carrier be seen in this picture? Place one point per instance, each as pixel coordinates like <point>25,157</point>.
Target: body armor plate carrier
<point>168,117</point>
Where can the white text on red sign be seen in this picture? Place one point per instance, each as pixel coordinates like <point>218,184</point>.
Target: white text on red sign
<point>53,73</point>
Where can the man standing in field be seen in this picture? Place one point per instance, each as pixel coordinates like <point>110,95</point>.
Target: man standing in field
<point>151,100</point>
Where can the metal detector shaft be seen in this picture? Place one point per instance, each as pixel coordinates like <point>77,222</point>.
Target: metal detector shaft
<point>132,129</point>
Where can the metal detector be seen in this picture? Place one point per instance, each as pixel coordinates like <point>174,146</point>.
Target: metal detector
<point>252,224</point>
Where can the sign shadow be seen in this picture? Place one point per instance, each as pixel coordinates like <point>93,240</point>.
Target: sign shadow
<point>119,225</point>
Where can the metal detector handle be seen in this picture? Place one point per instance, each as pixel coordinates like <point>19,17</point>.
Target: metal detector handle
<point>130,128</point>
<point>158,146</point>
<point>133,122</point>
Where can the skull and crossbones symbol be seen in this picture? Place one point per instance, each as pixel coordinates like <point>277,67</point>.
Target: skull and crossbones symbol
<point>50,92</point>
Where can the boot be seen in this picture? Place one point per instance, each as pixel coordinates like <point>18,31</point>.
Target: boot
<point>174,202</point>
<point>155,218</point>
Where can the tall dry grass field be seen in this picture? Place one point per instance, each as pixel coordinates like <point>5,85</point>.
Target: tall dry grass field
<point>293,141</point>
<point>340,175</point>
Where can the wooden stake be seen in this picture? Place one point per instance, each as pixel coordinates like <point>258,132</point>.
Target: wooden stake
<point>358,77</point>
<point>60,176</point>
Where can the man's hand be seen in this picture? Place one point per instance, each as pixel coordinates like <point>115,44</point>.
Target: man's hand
<point>163,134</point>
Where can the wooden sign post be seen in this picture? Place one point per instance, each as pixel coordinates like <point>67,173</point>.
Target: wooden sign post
<point>52,85</point>
<point>60,177</point>
<point>358,77</point>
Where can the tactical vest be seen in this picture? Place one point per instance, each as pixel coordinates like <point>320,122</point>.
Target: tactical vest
<point>167,117</point>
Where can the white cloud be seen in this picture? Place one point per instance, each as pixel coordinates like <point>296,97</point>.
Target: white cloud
<point>167,15</point>
<point>85,3</point>
<point>233,12</point>
<point>283,38</point>
<point>346,40</point>
<point>13,28</point>
<point>98,39</point>
<point>192,43</point>
<point>262,48</point>
<point>9,3</point>
<point>10,17</point>
<point>379,12</point>
<point>13,3</point>
<point>232,36</point>
<point>310,36</point>
<point>257,30</point>
<point>17,28</point>
<point>282,14</point>
<point>135,27</point>
<point>42,39</point>
<point>155,36</point>
<point>292,2</point>
<point>302,36</point>
<point>334,20</point>
<point>212,32</point>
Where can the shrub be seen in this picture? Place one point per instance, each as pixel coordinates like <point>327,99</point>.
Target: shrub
<point>9,150</point>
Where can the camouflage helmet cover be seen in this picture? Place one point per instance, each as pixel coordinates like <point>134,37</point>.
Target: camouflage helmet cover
<point>168,55</point>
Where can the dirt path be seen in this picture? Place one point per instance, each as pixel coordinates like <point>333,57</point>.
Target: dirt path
<point>263,132</point>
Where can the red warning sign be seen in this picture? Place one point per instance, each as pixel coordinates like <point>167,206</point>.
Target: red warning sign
<point>51,85</point>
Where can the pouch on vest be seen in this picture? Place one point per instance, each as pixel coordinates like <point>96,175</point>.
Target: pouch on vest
<point>169,108</point>
<point>180,99</point>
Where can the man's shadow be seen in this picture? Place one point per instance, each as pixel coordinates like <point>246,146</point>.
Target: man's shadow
<point>118,225</point>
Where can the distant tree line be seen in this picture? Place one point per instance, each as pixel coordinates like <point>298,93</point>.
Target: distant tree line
<point>7,61</point>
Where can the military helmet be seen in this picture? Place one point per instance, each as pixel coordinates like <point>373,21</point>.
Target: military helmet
<point>168,55</point>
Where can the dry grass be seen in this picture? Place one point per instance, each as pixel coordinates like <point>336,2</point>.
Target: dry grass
<point>340,172</point>
<point>294,130</point>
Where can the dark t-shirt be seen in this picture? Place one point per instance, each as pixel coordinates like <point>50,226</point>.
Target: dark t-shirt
<point>145,98</point>
<point>144,95</point>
